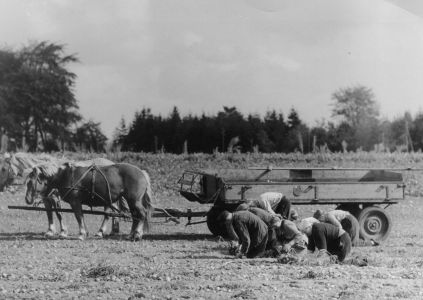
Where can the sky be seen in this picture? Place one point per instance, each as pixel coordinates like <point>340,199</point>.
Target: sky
<point>201,55</point>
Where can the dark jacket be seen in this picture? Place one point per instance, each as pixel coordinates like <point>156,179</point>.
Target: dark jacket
<point>252,232</point>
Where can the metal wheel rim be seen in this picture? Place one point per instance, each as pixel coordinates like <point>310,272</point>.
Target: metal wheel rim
<point>375,225</point>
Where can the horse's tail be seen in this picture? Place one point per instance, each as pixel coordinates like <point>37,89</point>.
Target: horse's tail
<point>147,201</point>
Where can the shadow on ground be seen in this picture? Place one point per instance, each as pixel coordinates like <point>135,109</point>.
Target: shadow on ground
<point>31,236</point>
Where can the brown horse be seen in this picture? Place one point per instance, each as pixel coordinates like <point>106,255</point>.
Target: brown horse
<point>18,165</point>
<point>6,174</point>
<point>13,166</point>
<point>97,186</point>
<point>51,199</point>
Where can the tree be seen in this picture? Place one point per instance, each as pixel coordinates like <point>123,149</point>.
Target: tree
<point>293,119</point>
<point>231,124</point>
<point>120,134</point>
<point>173,138</point>
<point>296,133</point>
<point>359,110</point>
<point>354,105</point>
<point>276,129</point>
<point>89,137</point>
<point>37,91</point>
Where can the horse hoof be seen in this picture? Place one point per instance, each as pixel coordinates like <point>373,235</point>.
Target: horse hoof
<point>49,234</point>
<point>63,234</point>
<point>137,237</point>
<point>81,237</point>
<point>99,234</point>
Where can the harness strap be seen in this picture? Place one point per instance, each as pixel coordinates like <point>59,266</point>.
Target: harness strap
<point>93,171</point>
<point>93,168</point>
<point>73,187</point>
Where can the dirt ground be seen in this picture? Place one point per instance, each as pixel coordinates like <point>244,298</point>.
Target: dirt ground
<point>175,261</point>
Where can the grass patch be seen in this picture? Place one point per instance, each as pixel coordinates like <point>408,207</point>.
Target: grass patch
<point>103,270</point>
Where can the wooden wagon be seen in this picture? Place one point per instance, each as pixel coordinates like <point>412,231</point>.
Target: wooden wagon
<point>361,191</point>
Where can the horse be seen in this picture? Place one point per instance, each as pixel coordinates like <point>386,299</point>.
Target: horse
<point>13,166</point>
<point>6,174</point>
<point>20,164</point>
<point>51,199</point>
<point>98,186</point>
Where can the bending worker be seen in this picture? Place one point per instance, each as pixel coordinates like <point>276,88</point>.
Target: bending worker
<point>330,238</point>
<point>291,237</point>
<point>273,222</point>
<point>343,220</point>
<point>249,230</point>
<point>272,202</point>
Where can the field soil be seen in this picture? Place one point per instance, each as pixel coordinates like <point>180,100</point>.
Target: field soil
<point>175,261</point>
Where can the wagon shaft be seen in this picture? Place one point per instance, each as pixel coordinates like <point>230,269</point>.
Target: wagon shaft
<point>158,213</point>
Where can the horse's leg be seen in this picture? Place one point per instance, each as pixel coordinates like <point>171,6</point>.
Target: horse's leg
<point>103,226</point>
<point>138,222</point>
<point>134,215</point>
<point>77,208</point>
<point>51,228</point>
<point>63,229</point>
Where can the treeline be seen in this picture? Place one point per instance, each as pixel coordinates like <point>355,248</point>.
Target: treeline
<point>358,128</point>
<point>39,112</point>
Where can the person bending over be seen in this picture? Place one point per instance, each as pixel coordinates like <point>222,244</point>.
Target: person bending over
<point>291,237</point>
<point>273,222</point>
<point>330,238</point>
<point>249,230</point>
<point>305,225</point>
<point>342,219</point>
<point>272,202</point>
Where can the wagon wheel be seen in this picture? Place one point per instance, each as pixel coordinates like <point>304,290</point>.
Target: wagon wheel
<point>375,223</point>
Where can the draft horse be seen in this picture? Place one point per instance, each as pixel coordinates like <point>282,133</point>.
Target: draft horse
<point>18,165</point>
<point>97,186</point>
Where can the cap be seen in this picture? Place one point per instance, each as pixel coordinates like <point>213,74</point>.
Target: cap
<point>317,214</point>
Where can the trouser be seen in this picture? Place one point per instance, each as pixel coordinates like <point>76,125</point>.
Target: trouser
<point>257,249</point>
<point>351,226</point>
<point>340,246</point>
<point>283,208</point>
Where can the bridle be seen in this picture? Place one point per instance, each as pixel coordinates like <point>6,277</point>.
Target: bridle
<point>35,181</point>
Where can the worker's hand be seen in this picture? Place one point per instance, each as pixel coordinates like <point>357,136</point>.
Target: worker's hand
<point>240,255</point>
<point>234,249</point>
<point>278,249</point>
<point>286,248</point>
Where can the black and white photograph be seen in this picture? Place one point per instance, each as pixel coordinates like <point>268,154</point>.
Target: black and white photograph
<point>209,149</point>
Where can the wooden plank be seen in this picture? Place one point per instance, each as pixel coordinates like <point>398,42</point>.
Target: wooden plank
<point>330,192</point>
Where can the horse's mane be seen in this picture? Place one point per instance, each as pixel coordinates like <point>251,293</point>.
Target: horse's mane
<point>24,162</point>
<point>99,161</point>
<point>21,162</point>
<point>49,169</point>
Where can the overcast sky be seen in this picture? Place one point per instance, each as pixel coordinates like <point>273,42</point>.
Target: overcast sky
<point>256,55</point>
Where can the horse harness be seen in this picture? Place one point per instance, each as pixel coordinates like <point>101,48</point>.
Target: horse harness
<point>74,186</point>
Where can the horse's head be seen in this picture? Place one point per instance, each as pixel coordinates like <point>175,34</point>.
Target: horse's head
<point>36,184</point>
<point>6,174</point>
